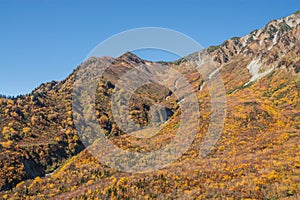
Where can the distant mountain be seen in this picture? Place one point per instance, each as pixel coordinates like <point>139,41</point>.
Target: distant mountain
<point>257,155</point>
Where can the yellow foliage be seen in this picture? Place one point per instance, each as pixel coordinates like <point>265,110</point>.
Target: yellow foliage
<point>69,113</point>
<point>90,182</point>
<point>69,121</point>
<point>75,138</point>
<point>122,180</point>
<point>26,130</point>
<point>285,136</point>
<point>68,131</point>
<point>10,102</point>
<point>5,130</point>
<point>33,120</point>
<point>20,184</point>
<point>7,144</point>
<point>37,179</point>
<point>273,176</point>
<point>12,130</point>
<point>221,148</point>
<point>89,192</point>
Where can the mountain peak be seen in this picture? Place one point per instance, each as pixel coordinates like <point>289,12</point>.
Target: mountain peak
<point>130,58</point>
<point>128,54</point>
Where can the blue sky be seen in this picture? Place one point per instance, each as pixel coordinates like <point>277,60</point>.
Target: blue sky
<point>44,40</point>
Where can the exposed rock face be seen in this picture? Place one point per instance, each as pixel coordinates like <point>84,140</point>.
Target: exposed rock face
<point>273,41</point>
<point>32,169</point>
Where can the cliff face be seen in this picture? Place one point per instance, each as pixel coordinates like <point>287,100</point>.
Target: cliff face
<point>275,39</point>
<point>257,152</point>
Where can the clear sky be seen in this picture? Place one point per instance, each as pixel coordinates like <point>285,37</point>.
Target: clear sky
<point>44,40</point>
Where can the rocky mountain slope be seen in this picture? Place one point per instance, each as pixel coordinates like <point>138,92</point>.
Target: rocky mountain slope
<point>257,155</point>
